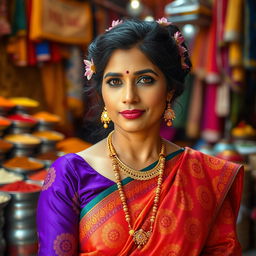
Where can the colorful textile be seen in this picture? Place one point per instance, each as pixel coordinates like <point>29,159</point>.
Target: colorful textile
<point>197,212</point>
<point>233,24</point>
<point>63,21</point>
<point>17,46</point>
<point>211,125</point>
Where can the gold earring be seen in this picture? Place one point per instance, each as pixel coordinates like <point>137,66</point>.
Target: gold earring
<point>105,119</point>
<point>169,114</point>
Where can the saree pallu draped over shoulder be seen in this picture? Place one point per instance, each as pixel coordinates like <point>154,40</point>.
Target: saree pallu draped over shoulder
<point>197,212</point>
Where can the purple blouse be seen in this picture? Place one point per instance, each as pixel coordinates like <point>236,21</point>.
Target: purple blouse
<point>70,184</point>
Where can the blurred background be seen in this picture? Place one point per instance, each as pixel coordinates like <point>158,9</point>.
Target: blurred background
<point>44,110</point>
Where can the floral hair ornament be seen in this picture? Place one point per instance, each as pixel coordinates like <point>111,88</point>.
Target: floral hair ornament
<point>114,23</point>
<point>89,68</point>
<point>179,39</point>
<point>163,21</point>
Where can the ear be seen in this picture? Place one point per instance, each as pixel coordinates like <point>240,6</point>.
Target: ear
<point>169,96</point>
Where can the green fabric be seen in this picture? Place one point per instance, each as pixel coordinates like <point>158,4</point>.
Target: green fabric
<point>19,23</point>
<point>236,107</point>
<point>182,103</point>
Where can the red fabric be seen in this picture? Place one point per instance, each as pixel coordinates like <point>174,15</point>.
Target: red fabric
<point>197,212</point>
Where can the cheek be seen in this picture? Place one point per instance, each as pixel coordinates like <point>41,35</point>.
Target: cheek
<point>105,95</point>
<point>156,99</point>
<point>108,99</point>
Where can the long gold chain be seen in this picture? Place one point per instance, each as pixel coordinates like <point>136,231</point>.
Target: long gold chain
<point>135,174</point>
<point>140,236</point>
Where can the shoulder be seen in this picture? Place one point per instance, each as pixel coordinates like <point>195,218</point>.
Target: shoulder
<point>209,161</point>
<point>69,165</point>
<point>218,173</point>
<point>171,147</point>
<point>66,161</point>
<point>95,153</point>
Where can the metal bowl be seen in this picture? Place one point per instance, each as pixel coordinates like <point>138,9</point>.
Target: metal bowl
<point>8,198</point>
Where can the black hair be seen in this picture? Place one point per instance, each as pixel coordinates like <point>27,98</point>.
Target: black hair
<point>155,40</point>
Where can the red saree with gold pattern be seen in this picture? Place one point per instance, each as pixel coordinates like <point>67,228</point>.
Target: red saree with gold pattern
<point>197,212</point>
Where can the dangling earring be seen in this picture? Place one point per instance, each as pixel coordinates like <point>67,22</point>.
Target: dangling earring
<point>169,114</point>
<point>105,119</point>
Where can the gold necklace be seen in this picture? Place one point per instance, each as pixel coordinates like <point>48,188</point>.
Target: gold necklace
<point>135,174</point>
<point>140,236</point>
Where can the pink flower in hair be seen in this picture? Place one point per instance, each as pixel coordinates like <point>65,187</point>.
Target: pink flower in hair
<point>163,21</point>
<point>114,23</point>
<point>89,68</point>
<point>179,38</point>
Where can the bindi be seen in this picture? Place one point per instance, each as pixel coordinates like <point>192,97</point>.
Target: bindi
<point>127,72</point>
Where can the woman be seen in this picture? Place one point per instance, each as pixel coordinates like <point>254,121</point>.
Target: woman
<point>134,193</point>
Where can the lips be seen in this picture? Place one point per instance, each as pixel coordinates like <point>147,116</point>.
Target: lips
<point>132,114</point>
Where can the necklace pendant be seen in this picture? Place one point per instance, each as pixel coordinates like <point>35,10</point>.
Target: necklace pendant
<point>141,237</point>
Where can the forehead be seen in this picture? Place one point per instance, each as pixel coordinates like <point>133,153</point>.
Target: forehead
<point>132,59</point>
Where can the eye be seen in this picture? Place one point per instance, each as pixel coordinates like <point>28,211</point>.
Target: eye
<point>114,82</point>
<point>146,80</point>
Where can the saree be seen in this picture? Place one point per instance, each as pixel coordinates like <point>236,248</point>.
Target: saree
<point>198,208</point>
<point>80,213</point>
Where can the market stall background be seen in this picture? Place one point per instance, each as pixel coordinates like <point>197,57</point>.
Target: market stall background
<point>42,100</point>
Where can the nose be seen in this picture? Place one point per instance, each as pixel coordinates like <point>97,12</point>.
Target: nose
<point>130,94</point>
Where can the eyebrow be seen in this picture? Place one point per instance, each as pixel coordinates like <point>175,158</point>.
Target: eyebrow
<point>140,72</point>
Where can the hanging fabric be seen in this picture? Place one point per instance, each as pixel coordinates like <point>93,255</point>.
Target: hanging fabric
<point>211,126</point>
<point>63,21</point>
<point>200,49</point>
<point>17,46</point>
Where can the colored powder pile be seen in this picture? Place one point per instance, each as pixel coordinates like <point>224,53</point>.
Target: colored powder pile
<point>40,175</point>
<point>23,118</point>
<point>20,186</point>
<point>8,177</point>
<point>23,162</point>
<point>46,117</point>
<point>22,139</point>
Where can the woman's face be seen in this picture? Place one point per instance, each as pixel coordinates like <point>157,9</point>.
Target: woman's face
<point>134,91</point>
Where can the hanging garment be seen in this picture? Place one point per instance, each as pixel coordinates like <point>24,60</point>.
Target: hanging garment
<point>63,21</point>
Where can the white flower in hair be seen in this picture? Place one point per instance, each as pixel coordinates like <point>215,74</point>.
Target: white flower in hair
<point>89,68</point>
<point>163,21</point>
<point>114,23</point>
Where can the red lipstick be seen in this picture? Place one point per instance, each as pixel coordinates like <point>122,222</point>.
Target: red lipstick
<point>132,114</point>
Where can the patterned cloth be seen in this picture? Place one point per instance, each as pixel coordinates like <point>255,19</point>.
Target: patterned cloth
<point>197,212</point>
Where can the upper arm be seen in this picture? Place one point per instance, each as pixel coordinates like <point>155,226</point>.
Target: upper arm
<point>222,239</point>
<point>57,213</point>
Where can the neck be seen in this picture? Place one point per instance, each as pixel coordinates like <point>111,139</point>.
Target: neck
<point>137,150</point>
